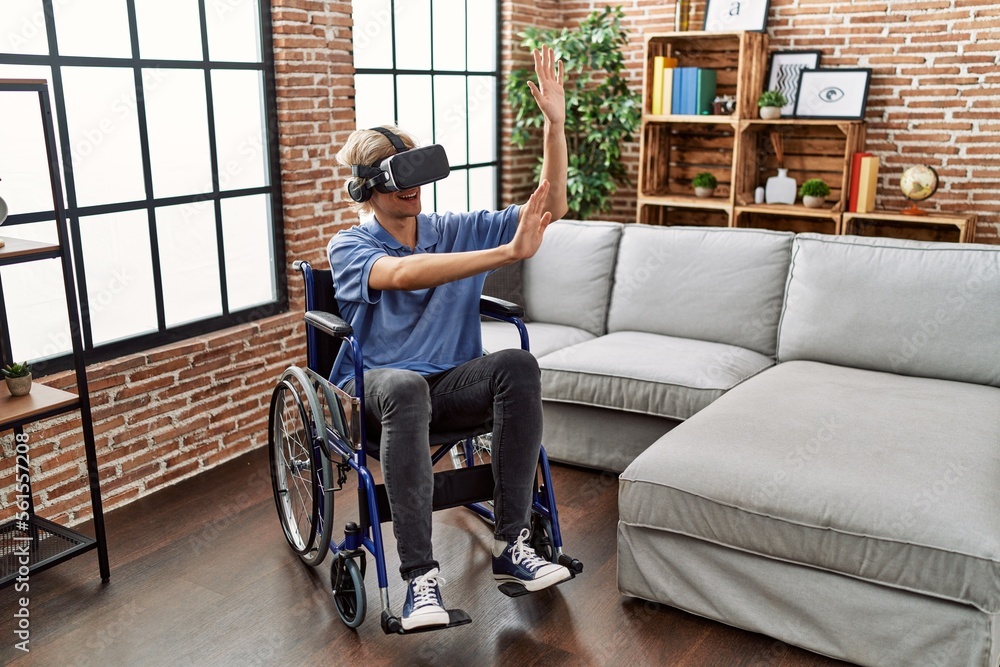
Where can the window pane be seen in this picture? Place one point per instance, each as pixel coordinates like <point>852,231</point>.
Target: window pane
<point>449,34</point>
<point>43,232</point>
<point>415,113</point>
<point>373,100</point>
<point>452,193</point>
<point>103,134</point>
<point>233,30</point>
<point>248,240</point>
<point>22,24</point>
<point>449,116</point>
<point>372,34</point>
<point>36,307</point>
<point>168,30</point>
<point>92,28</point>
<point>238,99</point>
<point>189,262</point>
<point>177,119</point>
<point>119,275</point>
<point>482,188</point>
<point>24,166</point>
<point>482,24</point>
<point>413,26</point>
<point>482,119</point>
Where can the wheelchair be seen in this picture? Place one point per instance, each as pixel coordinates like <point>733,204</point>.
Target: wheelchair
<point>316,437</point>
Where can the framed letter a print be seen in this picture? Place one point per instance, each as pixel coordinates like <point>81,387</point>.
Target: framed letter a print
<point>736,15</point>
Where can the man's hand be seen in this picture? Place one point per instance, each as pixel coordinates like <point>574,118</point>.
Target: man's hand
<point>548,94</point>
<point>531,225</point>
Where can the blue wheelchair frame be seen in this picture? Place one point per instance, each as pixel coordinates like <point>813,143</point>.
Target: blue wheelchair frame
<point>346,440</point>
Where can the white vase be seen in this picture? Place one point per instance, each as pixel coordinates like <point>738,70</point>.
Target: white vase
<point>770,113</point>
<point>780,189</point>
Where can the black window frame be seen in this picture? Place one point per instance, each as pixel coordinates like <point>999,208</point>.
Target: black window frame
<point>163,335</point>
<point>395,71</point>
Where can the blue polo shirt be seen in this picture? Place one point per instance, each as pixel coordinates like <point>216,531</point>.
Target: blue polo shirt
<point>427,330</point>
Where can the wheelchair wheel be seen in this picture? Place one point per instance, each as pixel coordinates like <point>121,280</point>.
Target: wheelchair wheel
<point>480,445</point>
<point>348,586</point>
<point>301,476</point>
<point>541,537</point>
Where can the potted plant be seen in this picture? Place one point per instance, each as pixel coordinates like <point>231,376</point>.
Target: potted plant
<point>18,378</point>
<point>814,193</point>
<point>704,184</point>
<point>770,103</point>
<point>602,112</point>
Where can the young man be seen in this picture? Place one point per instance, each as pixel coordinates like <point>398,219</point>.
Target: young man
<point>410,284</point>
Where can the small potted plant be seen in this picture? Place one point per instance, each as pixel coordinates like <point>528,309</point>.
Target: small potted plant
<point>770,103</point>
<point>704,184</point>
<point>18,378</point>
<point>814,193</point>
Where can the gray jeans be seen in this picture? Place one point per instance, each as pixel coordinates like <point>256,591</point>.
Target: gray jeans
<point>405,407</point>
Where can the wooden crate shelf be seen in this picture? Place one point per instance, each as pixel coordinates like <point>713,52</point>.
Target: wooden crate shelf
<point>951,227</point>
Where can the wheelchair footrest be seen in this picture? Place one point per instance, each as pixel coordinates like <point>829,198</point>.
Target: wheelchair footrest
<point>391,625</point>
<point>574,566</point>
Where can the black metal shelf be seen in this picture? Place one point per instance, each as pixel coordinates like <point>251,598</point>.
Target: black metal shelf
<point>38,544</point>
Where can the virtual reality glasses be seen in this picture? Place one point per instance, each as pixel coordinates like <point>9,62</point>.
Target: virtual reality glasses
<point>408,168</point>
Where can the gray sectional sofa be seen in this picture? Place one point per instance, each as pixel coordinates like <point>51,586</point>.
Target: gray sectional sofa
<point>807,427</point>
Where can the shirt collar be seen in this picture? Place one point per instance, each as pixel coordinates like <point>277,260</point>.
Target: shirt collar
<point>427,234</point>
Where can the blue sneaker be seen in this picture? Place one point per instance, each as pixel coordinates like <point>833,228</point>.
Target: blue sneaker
<point>423,604</point>
<point>520,564</point>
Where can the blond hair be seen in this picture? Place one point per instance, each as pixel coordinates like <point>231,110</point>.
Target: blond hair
<point>369,147</point>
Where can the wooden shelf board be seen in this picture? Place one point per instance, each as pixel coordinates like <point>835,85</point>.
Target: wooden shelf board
<point>932,218</point>
<point>695,34</point>
<point>18,248</point>
<point>688,201</point>
<point>41,399</point>
<point>789,210</point>
<point>801,121</point>
<point>707,119</point>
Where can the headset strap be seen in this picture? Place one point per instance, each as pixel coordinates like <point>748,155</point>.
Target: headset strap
<point>397,143</point>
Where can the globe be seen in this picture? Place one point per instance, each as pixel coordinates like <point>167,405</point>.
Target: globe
<point>918,183</point>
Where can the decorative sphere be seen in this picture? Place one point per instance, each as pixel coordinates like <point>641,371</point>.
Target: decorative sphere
<point>919,183</point>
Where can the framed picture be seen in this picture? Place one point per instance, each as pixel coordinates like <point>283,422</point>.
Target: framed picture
<point>783,74</point>
<point>838,94</point>
<point>735,15</point>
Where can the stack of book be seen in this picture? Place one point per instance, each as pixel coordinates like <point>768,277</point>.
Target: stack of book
<point>684,91</point>
<point>864,183</point>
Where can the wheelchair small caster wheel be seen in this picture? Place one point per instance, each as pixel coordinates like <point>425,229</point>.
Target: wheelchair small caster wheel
<point>348,587</point>
<point>541,537</point>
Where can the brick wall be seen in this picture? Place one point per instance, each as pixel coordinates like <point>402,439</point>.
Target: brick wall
<point>935,96</point>
<point>167,413</point>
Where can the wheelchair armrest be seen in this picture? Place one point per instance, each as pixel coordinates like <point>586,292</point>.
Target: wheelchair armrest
<point>329,323</point>
<point>490,305</point>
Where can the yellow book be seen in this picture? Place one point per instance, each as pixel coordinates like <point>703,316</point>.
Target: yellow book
<point>657,92</point>
<point>868,184</point>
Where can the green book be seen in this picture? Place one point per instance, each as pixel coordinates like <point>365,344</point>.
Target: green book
<point>705,91</point>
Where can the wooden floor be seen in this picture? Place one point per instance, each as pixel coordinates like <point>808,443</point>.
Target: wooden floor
<point>201,575</point>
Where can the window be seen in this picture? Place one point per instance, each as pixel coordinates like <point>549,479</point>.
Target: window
<point>163,113</point>
<point>431,66</point>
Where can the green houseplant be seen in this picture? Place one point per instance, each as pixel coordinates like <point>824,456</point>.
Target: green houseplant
<point>704,184</point>
<point>18,378</point>
<point>601,111</point>
<point>770,103</point>
<point>814,192</point>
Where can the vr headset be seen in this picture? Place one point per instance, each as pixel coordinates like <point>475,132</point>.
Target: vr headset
<point>408,168</point>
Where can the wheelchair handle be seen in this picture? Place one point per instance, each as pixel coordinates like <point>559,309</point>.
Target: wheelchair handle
<point>329,323</point>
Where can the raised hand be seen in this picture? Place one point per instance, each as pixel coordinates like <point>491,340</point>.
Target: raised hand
<point>549,94</point>
<point>531,224</point>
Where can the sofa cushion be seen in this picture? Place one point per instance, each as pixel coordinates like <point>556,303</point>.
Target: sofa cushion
<point>923,309</point>
<point>568,281</point>
<point>714,284</point>
<point>882,477</point>
<point>646,373</point>
<point>542,336</point>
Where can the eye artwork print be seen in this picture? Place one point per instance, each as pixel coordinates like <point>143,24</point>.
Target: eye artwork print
<point>831,94</point>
